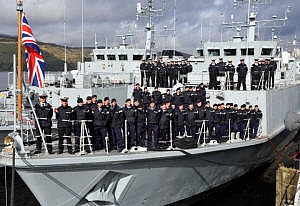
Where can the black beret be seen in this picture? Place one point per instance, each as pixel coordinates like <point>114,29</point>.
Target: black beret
<point>79,100</point>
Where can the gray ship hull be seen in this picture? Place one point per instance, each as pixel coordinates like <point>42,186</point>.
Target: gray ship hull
<point>152,178</point>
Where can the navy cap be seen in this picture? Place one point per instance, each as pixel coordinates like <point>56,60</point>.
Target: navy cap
<point>113,100</point>
<point>64,99</point>
<point>94,96</point>
<point>235,105</point>
<point>99,101</point>
<point>106,98</point>
<point>128,99</point>
<point>43,95</point>
<point>88,98</point>
<point>79,100</point>
<point>178,89</point>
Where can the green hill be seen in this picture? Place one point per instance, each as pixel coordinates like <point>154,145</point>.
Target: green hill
<point>53,54</point>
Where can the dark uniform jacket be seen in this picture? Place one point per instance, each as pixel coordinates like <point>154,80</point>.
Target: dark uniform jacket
<point>137,94</point>
<point>221,68</point>
<point>178,99</point>
<point>80,113</point>
<point>130,114</point>
<point>101,117</point>
<point>191,117</point>
<point>157,97</point>
<point>146,98</point>
<point>44,114</point>
<point>164,121</point>
<point>116,116</point>
<point>242,70</point>
<point>179,118</point>
<point>153,116</point>
<point>63,116</point>
<point>140,117</point>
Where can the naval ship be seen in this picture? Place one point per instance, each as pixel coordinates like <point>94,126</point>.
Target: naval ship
<point>161,177</point>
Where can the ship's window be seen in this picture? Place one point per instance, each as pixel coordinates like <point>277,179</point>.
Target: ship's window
<point>229,52</point>
<point>100,57</point>
<point>250,52</point>
<point>213,52</point>
<point>266,51</point>
<point>137,57</point>
<point>111,57</point>
<point>123,57</point>
<point>200,52</point>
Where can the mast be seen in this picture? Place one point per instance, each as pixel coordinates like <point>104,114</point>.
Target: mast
<point>65,43</point>
<point>82,28</point>
<point>20,72</point>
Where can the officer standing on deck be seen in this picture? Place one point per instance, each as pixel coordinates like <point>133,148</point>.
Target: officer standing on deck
<point>64,125</point>
<point>272,72</point>
<point>191,118</point>
<point>179,120</point>
<point>153,116</point>
<point>255,120</point>
<point>117,119</point>
<point>130,114</point>
<point>164,123</point>
<point>143,70</point>
<point>44,113</point>
<point>213,72</point>
<point>255,75</point>
<point>137,92</point>
<point>229,69</point>
<point>80,112</point>
<point>221,67</point>
<point>242,70</point>
<point>157,97</point>
<point>162,76</point>
<point>146,98</point>
<point>100,121</point>
<point>141,126</point>
<point>150,72</point>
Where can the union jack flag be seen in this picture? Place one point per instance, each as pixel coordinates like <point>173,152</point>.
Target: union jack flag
<point>34,59</point>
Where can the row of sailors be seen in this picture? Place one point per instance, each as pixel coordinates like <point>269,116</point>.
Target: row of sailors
<point>262,74</point>
<point>151,124</point>
<point>164,74</point>
<point>179,97</point>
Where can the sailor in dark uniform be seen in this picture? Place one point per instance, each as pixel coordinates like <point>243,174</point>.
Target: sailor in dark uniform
<point>106,106</point>
<point>178,98</point>
<point>191,118</point>
<point>137,92</point>
<point>255,75</point>
<point>255,120</point>
<point>167,97</point>
<point>143,70</point>
<point>179,120</point>
<point>150,73</point>
<point>117,120</point>
<point>80,112</point>
<point>141,126</point>
<point>162,75</point>
<point>242,70</point>
<point>44,113</point>
<point>153,116</point>
<point>220,123</point>
<point>213,72</point>
<point>157,97</point>
<point>242,118</point>
<point>229,69</point>
<point>89,107</point>
<point>221,67</point>
<point>130,114</point>
<point>272,72</point>
<point>200,118</point>
<point>100,121</point>
<point>146,98</point>
<point>164,123</point>
<point>64,125</point>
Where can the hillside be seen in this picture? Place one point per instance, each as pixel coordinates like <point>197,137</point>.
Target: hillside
<point>53,54</point>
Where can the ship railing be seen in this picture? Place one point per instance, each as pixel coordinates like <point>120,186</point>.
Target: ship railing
<point>203,130</point>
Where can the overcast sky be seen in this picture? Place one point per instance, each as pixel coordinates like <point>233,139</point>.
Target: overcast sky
<point>107,18</point>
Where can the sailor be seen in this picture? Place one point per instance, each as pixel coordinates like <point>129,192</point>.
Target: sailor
<point>242,70</point>
<point>200,118</point>
<point>191,118</point>
<point>229,119</point>
<point>164,124</point>
<point>162,76</point>
<point>130,114</point>
<point>137,92</point>
<point>213,72</point>
<point>153,116</point>
<point>242,118</point>
<point>167,97</point>
<point>255,75</point>
<point>268,70</point>
<point>155,73</point>
<point>80,112</point>
<point>106,106</point>
<point>172,74</point>
<point>150,72</point>
<point>168,69</point>
<point>64,125</point>
<point>141,126</point>
<point>179,120</point>
<point>44,113</point>
<point>183,72</point>
<point>178,98</point>
<point>117,119</point>
<point>146,98</point>
<point>94,101</point>
<point>157,97</point>
<point>143,70</point>
<point>100,121</point>
<point>176,71</point>
<point>221,67</point>
<point>229,69</point>
<point>255,120</point>
<point>202,93</point>
<point>263,82</point>
<point>187,96</point>
<point>220,123</point>
<point>272,72</point>
<point>89,123</point>
<point>209,116</point>
<point>189,67</point>
<point>234,118</point>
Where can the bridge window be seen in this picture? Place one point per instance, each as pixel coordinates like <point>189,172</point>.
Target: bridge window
<point>111,57</point>
<point>123,57</point>
<point>266,51</point>
<point>137,57</point>
<point>250,52</point>
<point>200,52</point>
<point>100,57</point>
<point>229,52</point>
<point>213,52</point>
